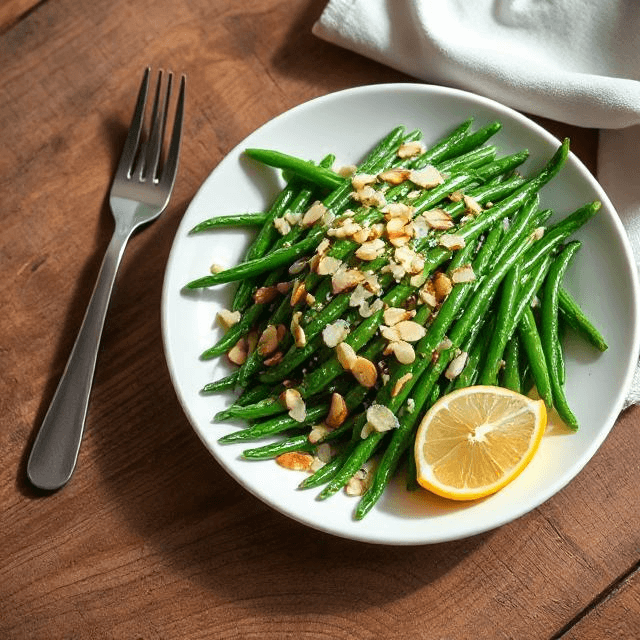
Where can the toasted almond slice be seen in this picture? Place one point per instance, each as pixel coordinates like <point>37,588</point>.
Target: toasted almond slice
<point>283,287</point>
<point>263,295</point>
<point>397,387</point>
<point>359,295</point>
<point>398,210</point>
<point>393,315</point>
<point>438,219</point>
<point>389,333</point>
<point>295,460</point>
<point>347,170</point>
<point>370,250</point>
<point>294,402</point>
<point>298,266</point>
<point>456,196</point>
<point>310,299</point>
<point>537,233</point>
<point>216,268</point>
<point>299,337</point>
<point>346,355</point>
<point>333,334</point>
<point>364,372</point>
<point>298,293</point>
<point>418,279</point>
<point>314,213</point>
<point>441,285</point>
<point>268,341</point>
<point>328,265</point>
<point>369,197</point>
<point>403,352</point>
<point>410,149</point>
<point>292,218</point>
<point>337,411</point>
<point>361,180</point>
<point>472,205</point>
<point>395,269</point>
<point>426,178</point>
<point>451,241</point>
<point>252,341</point>
<point>464,273</point>
<point>324,452</point>
<point>238,353</point>
<point>456,366</point>
<point>345,279</point>
<point>381,418</point>
<point>394,176</point>
<point>363,235</point>
<point>282,226</point>
<point>427,294</point>
<point>410,331</point>
<point>273,360</point>
<point>371,283</point>
<point>444,345</point>
<point>228,318</point>
<point>318,433</point>
<point>281,332</point>
<point>411,261</point>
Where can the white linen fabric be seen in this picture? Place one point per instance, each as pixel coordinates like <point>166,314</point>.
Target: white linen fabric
<point>574,61</point>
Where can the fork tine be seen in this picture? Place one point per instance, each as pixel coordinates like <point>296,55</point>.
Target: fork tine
<point>158,125</point>
<point>170,168</point>
<point>125,166</point>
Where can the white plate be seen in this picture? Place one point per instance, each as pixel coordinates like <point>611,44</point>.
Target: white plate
<point>602,277</point>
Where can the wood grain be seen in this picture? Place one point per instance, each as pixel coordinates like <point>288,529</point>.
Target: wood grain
<point>151,539</point>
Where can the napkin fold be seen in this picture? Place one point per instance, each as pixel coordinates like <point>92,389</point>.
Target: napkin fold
<point>574,61</point>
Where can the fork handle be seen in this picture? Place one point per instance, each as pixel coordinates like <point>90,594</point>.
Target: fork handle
<point>55,450</point>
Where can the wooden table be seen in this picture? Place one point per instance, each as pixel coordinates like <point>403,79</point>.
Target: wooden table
<point>151,538</point>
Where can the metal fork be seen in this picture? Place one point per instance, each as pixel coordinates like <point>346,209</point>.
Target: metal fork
<point>140,192</point>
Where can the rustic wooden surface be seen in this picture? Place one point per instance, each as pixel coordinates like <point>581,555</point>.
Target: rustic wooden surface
<point>151,538</point>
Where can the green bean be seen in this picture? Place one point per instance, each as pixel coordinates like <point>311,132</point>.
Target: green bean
<point>530,339</point>
<point>500,337</point>
<point>575,317</point>
<point>255,394</point>
<point>448,146</point>
<point>549,331</point>
<point>274,449</point>
<point>320,176</point>
<point>228,382</point>
<point>275,425</point>
<point>469,160</point>
<point>233,220</point>
<point>511,378</point>
<point>475,346</point>
<point>329,470</point>
<point>464,143</point>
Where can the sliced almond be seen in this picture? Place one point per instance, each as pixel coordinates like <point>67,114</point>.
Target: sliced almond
<point>318,433</point>
<point>537,233</point>
<point>283,287</point>
<point>442,285</point>
<point>381,418</point>
<point>366,310</point>
<point>456,196</point>
<point>238,353</point>
<point>216,268</point>
<point>314,213</point>
<point>472,205</point>
<point>403,352</point>
<point>298,266</point>
<point>398,210</point>
<point>369,197</point>
<point>310,299</point>
<point>345,279</point>
<point>461,274</point>
<point>410,149</point>
<point>273,360</point>
<point>426,178</point>
<point>451,241</point>
<point>400,382</point>
<point>292,218</point>
<point>328,265</point>
<point>323,247</point>
<point>370,250</point>
<point>393,315</point>
<point>268,341</point>
<point>394,176</point>
<point>361,180</point>
<point>294,402</point>
<point>298,293</point>
<point>297,331</point>
<point>364,372</point>
<point>438,219</point>
<point>346,355</point>
<point>411,261</point>
<point>410,331</point>
<point>263,295</point>
<point>389,333</point>
<point>295,460</point>
<point>333,334</point>
<point>456,366</point>
<point>282,226</point>
<point>337,412</point>
<point>228,318</point>
<point>359,295</point>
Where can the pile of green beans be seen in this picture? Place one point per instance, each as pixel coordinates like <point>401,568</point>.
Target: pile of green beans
<point>502,324</point>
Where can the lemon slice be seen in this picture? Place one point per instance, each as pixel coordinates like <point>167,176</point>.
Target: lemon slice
<point>474,441</point>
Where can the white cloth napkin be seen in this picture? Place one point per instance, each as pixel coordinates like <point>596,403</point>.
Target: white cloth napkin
<point>574,61</point>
